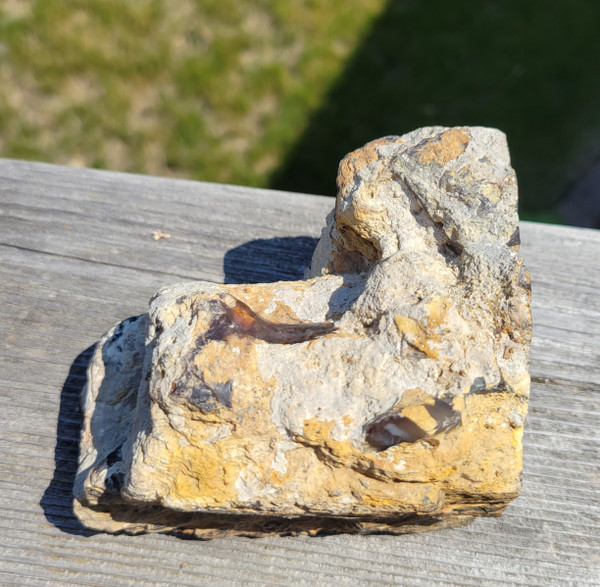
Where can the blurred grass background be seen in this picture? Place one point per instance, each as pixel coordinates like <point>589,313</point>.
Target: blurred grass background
<point>273,93</point>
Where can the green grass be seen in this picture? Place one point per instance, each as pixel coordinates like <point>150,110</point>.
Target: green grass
<point>274,92</point>
<point>527,67</point>
<point>213,90</point>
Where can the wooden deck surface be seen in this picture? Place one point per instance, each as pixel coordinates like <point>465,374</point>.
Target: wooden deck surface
<point>77,254</point>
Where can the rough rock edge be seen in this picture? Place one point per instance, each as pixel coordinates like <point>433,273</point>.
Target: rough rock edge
<point>111,513</point>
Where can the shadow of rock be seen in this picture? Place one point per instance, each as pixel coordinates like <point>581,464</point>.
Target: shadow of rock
<point>268,260</point>
<point>57,501</point>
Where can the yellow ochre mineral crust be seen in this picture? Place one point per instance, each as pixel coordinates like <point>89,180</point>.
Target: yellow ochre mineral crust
<point>386,392</point>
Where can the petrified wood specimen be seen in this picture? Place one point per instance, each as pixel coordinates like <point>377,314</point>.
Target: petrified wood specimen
<point>386,392</point>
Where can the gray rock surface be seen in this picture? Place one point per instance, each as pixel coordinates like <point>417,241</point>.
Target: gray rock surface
<point>387,391</point>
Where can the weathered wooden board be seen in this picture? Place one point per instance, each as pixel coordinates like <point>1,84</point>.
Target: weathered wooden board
<point>77,255</point>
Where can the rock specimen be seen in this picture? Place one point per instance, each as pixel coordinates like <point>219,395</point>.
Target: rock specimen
<point>386,392</point>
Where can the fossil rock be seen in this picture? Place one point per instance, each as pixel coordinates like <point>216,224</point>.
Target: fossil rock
<point>387,391</point>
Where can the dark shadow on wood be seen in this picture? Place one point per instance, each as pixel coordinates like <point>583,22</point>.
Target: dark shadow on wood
<point>514,65</point>
<point>57,501</point>
<point>268,260</point>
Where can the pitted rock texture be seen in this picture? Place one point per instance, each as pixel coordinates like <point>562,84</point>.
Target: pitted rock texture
<point>386,392</point>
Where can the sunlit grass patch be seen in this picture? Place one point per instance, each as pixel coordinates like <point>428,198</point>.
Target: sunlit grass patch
<point>214,90</point>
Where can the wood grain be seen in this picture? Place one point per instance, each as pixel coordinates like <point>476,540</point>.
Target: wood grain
<point>77,254</point>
